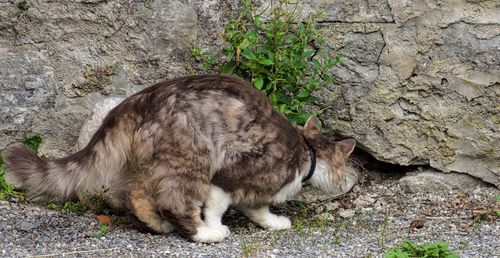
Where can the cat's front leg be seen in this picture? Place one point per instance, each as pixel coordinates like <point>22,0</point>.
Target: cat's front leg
<point>266,219</point>
<point>216,204</point>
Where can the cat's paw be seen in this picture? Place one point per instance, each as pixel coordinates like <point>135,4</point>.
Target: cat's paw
<point>212,234</point>
<point>278,223</point>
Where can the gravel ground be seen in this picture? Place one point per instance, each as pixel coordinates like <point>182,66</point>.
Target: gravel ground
<point>376,215</point>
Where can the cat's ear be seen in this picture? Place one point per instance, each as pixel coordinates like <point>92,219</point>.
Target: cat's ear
<point>312,125</point>
<point>311,128</point>
<point>347,146</point>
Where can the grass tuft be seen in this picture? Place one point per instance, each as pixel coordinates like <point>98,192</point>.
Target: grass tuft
<point>432,250</point>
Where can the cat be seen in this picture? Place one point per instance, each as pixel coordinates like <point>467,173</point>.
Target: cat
<point>178,154</point>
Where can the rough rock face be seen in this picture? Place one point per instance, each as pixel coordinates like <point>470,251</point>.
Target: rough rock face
<point>433,181</point>
<point>420,83</point>
<point>57,59</point>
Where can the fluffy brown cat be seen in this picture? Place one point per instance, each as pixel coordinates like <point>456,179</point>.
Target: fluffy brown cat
<point>186,146</point>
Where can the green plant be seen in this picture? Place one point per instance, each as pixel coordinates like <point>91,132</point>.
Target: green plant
<point>249,248</point>
<point>497,212</point>
<point>321,220</point>
<point>431,250</point>
<point>336,240</point>
<point>6,190</point>
<point>299,224</point>
<point>383,234</point>
<point>344,225</point>
<point>34,142</point>
<point>54,206</point>
<point>103,229</point>
<point>23,5</point>
<point>99,205</point>
<point>282,56</point>
<point>75,207</point>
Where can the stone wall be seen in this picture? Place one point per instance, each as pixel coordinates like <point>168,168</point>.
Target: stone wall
<point>59,58</point>
<point>420,82</point>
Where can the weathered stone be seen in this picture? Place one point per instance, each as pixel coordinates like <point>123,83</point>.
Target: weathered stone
<point>364,200</point>
<point>349,213</point>
<point>433,181</point>
<point>57,59</point>
<point>433,98</point>
<point>26,226</point>
<point>369,11</point>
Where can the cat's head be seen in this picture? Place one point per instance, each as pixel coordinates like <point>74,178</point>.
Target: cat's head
<point>330,156</point>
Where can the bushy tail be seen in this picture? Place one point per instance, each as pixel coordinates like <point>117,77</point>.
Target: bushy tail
<point>25,170</point>
<point>86,172</point>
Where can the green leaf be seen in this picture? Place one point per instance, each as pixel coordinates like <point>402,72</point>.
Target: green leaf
<point>244,44</point>
<point>327,78</point>
<point>258,82</point>
<point>266,61</point>
<point>308,54</point>
<point>228,53</point>
<point>274,99</point>
<point>282,108</point>
<point>229,67</point>
<point>257,19</point>
<point>248,54</point>
<point>316,64</point>
<point>303,94</point>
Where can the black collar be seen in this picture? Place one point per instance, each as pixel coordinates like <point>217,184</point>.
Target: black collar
<point>312,156</point>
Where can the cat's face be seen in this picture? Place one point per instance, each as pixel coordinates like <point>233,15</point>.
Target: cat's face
<point>330,156</point>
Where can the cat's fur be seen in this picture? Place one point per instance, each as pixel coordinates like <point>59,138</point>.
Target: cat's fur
<point>186,145</point>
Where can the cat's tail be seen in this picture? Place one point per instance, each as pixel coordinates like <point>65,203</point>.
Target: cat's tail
<point>87,172</point>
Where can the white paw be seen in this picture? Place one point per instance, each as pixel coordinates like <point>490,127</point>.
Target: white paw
<point>212,234</point>
<point>278,223</point>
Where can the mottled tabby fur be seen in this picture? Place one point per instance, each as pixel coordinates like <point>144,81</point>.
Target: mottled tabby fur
<point>187,144</point>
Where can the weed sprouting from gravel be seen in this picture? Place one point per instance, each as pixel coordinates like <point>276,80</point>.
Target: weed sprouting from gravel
<point>299,224</point>
<point>383,234</point>
<point>73,207</point>
<point>431,250</point>
<point>103,230</point>
<point>321,220</point>
<point>336,240</point>
<point>249,248</point>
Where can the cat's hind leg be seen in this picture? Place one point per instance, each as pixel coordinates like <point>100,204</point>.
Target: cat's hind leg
<point>144,209</point>
<point>266,219</point>
<point>180,198</point>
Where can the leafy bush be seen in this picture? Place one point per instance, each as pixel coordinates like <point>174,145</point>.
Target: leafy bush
<point>281,55</point>
<point>432,250</point>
